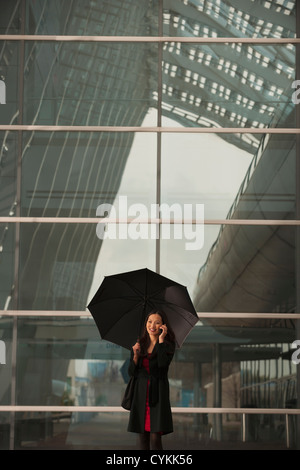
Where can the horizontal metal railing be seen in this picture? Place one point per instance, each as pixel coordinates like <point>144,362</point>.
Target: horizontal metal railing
<point>154,129</point>
<point>183,39</point>
<point>86,313</point>
<point>114,220</point>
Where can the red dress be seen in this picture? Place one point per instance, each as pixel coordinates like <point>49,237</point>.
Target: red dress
<point>147,409</point>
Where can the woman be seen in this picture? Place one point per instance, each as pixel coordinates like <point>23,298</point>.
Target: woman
<point>150,414</point>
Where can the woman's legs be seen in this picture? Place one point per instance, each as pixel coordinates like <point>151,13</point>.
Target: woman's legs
<point>144,441</point>
<point>153,439</point>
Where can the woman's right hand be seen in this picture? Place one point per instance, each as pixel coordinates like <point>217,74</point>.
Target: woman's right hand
<point>136,351</point>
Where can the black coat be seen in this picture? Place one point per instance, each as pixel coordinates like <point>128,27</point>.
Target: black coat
<point>160,409</point>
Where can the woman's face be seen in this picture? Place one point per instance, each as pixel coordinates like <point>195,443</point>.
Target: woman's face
<point>153,325</point>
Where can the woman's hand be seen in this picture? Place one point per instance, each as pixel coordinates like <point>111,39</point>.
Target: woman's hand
<point>163,333</point>
<point>136,351</point>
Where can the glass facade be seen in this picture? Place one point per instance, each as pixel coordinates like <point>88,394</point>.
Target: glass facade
<point>138,104</point>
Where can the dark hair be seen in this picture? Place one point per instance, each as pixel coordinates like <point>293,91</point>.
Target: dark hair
<point>145,339</point>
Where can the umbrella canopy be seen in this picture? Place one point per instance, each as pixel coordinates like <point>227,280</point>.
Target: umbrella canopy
<point>124,300</point>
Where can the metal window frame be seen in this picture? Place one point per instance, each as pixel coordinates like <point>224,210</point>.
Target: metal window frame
<point>154,39</point>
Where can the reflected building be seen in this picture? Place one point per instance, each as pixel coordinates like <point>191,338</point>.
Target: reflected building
<point>68,173</point>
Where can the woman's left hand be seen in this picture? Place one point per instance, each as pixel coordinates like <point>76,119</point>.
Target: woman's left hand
<point>163,333</point>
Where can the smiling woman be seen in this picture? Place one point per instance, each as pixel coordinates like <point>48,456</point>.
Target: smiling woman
<point>150,414</point>
<point>155,329</point>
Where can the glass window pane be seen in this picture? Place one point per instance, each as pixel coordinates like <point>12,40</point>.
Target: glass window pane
<point>202,432</point>
<point>229,18</point>
<point>249,269</point>
<point>8,207</point>
<point>10,18</point>
<point>229,85</point>
<point>6,366</point>
<point>79,83</point>
<point>9,82</point>
<point>62,265</point>
<point>8,172</point>
<point>103,431</point>
<point>5,430</point>
<point>7,265</point>
<point>240,268</point>
<point>69,364</point>
<point>63,369</point>
<point>77,175</point>
<point>73,431</point>
<point>231,181</point>
<point>71,174</point>
<point>92,18</point>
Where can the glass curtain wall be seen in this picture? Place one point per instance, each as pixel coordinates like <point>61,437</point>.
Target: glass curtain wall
<point>179,105</point>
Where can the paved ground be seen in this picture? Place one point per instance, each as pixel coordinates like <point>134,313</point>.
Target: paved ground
<point>110,434</point>
<point>60,442</point>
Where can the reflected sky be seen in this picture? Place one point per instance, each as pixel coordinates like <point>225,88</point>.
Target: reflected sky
<point>219,167</point>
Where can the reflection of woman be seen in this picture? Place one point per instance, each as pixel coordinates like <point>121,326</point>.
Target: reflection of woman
<point>150,414</point>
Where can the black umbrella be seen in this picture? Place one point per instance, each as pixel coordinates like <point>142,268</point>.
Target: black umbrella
<point>123,301</point>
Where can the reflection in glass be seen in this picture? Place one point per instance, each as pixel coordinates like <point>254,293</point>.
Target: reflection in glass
<point>72,175</point>
<point>8,172</point>
<point>61,264</point>
<point>69,365</point>
<point>9,85</point>
<point>103,431</point>
<point>10,18</point>
<point>256,432</point>
<point>5,429</point>
<point>8,194</point>
<point>229,85</point>
<point>231,182</point>
<point>7,261</point>
<point>74,369</point>
<point>87,17</point>
<point>227,18</point>
<point>73,431</point>
<point>6,334</point>
<point>82,83</point>
<point>248,269</point>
